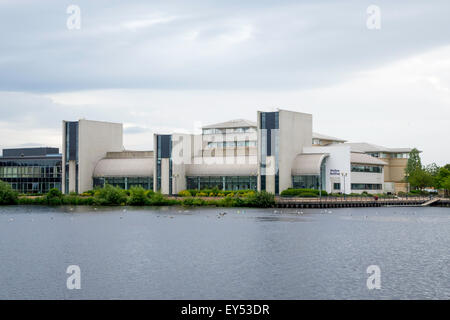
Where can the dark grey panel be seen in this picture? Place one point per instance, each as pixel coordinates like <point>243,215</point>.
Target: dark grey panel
<point>72,132</point>
<point>165,146</point>
<point>29,152</point>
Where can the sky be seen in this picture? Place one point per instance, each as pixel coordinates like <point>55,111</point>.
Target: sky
<point>164,66</point>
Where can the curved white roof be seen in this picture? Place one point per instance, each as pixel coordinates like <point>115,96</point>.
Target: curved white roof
<point>134,167</point>
<point>308,164</point>
<point>221,170</point>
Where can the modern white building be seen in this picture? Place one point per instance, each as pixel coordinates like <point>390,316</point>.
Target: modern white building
<point>276,152</point>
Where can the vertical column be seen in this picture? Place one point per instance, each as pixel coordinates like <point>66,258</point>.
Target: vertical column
<point>70,157</point>
<point>164,163</point>
<point>165,180</point>
<point>268,152</point>
<point>72,175</point>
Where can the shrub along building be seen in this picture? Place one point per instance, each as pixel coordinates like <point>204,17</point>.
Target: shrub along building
<point>276,152</point>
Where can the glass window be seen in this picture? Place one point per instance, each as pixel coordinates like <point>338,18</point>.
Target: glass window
<point>222,182</point>
<point>366,186</point>
<point>366,168</point>
<point>306,182</point>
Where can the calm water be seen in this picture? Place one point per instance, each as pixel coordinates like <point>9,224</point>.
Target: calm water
<point>176,253</point>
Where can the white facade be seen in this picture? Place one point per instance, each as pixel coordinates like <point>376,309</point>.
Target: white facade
<point>94,139</point>
<point>337,166</point>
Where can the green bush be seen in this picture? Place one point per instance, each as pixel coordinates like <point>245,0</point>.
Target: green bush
<point>184,193</point>
<point>54,197</point>
<point>302,192</point>
<point>33,201</point>
<point>194,202</point>
<point>110,195</point>
<point>261,199</point>
<point>138,197</point>
<point>88,193</point>
<point>158,199</point>
<point>7,194</point>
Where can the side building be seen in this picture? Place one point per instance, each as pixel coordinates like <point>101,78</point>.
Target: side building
<point>396,160</point>
<point>31,170</point>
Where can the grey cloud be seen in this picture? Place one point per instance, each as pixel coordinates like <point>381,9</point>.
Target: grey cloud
<point>291,44</point>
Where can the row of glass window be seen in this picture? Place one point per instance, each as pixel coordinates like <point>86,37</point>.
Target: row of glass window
<point>47,162</point>
<point>229,130</point>
<point>366,186</point>
<point>231,144</point>
<point>222,182</point>
<point>124,182</point>
<point>365,168</point>
<point>30,172</point>
<point>403,155</point>
<point>34,187</point>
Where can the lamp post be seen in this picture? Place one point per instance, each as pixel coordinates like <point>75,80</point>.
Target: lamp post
<point>344,174</point>
<point>174,177</point>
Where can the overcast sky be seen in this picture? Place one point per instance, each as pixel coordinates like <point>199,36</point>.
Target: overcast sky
<point>162,66</point>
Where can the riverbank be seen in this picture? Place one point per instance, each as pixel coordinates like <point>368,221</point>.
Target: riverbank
<point>137,196</point>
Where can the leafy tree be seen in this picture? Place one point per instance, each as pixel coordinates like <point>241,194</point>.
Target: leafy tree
<point>420,179</point>
<point>446,184</point>
<point>442,178</point>
<point>7,194</point>
<point>414,163</point>
<point>432,169</point>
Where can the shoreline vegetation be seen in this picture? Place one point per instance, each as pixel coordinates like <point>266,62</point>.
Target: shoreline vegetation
<point>138,196</point>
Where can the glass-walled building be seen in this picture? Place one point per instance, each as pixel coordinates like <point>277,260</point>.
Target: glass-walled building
<point>31,170</point>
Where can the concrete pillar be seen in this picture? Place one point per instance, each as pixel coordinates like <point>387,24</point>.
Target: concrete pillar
<point>270,174</point>
<point>72,176</point>
<point>165,176</point>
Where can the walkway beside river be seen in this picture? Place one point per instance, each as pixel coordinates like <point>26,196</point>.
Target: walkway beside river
<point>345,202</point>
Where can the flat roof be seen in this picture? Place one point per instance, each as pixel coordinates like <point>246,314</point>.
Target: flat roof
<point>368,147</point>
<point>30,152</point>
<point>317,135</point>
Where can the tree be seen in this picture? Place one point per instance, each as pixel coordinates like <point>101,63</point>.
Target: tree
<point>443,177</point>
<point>446,184</point>
<point>432,169</point>
<point>7,194</point>
<point>414,162</point>
<point>420,179</point>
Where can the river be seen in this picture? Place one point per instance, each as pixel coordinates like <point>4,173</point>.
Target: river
<point>202,253</point>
